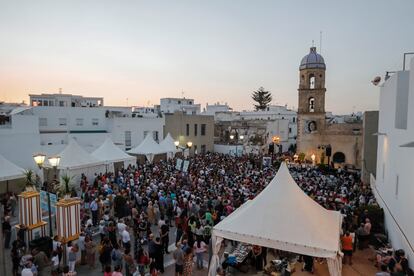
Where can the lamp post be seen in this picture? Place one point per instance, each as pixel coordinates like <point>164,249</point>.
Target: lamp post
<point>54,162</point>
<point>276,141</point>
<point>295,157</point>
<point>187,146</point>
<point>241,137</point>
<point>313,157</point>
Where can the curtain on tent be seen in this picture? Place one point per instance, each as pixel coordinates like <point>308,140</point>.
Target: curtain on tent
<point>215,259</point>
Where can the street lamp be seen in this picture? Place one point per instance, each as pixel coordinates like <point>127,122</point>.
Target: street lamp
<point>276,141</point>
<point>39,159</point>
<point>54,161</point>
<point>295,157</point>
<point>177,143</point>
<point>231,137</point>
<point>313,157</point>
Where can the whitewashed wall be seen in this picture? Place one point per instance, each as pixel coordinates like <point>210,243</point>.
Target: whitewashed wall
<point>395,173</point>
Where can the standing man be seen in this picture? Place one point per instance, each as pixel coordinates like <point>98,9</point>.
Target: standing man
<point>126,238</point>
<point>6,232</point>
<point>165,239</point>
<point>94,208</point>
<point>178,255</point>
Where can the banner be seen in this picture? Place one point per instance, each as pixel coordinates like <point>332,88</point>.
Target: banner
<point>44,205</point>
<point>185,165</point>
<point>267,161</point>
<point>179,164</point>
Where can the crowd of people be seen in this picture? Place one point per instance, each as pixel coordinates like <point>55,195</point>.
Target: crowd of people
<point>133,218</point>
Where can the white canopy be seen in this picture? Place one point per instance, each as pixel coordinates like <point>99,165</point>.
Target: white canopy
<point>108,152</point>
<point>282,216</point>
<point>168,145</point>
<point>9,171</point>
<point>148,147</point>
<point>74,157</point>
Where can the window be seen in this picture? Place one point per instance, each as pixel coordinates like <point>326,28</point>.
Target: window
<point>187,130</point>
<point>61,103</point>
<point>203,129</point>
<point>62,121</point>
<point>155,135</point>
<point>128,140</point>
<point>290,130</point>
<point>45,103</point>
<point>203,149</point>
<point>294,119</point>
<point>311,81</point>
<point>51,103</point>
<point>195,129</point>
<point>190,103</point>
<point>42,121</point>
<point>95,122</point>
<point>179,102</point>
<point>311,104</point>
<point>79,122</point>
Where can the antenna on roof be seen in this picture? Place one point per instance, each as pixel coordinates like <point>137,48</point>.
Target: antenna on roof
<point>320,42</point>
<point>182,94</point>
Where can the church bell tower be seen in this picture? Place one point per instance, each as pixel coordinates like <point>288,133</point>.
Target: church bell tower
<point>311,107</point>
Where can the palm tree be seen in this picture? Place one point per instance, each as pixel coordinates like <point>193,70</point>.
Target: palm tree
<point>29,176</point>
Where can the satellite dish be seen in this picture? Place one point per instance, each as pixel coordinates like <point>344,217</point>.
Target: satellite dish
<point>376,80</point>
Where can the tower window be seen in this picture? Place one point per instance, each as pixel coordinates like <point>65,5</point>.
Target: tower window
<point>311,104</point>
<point>312,81</point>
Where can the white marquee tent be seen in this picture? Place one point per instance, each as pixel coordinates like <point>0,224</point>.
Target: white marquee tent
<point>109,153</point>
<point>9,172</point>
<point>282,216</point>
<point>168,145</point>
<point>74,161</point>
<point>148,147</point>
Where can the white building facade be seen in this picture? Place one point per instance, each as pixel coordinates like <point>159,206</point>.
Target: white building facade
<point>65,100</point>
<point>393,186</point>
<point>171,105</point>
<point>19,137</point>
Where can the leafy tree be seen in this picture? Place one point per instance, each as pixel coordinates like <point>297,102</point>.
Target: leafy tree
<point>262,98</point>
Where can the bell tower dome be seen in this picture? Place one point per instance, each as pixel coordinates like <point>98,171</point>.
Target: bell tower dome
<point>312,83</point>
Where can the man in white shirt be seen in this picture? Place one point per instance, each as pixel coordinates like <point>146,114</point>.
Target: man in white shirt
<point>126,238</point>
<point>121,226</point>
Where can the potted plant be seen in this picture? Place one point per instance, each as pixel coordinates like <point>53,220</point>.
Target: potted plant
<point>65,186</point>
<point>30,181</point>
